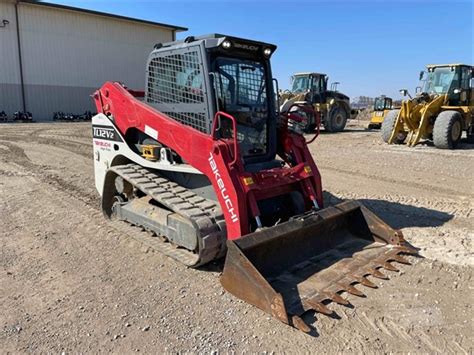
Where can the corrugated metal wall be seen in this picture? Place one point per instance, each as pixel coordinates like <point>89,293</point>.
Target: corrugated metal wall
<point>66,55</point>
<point>10,89</point>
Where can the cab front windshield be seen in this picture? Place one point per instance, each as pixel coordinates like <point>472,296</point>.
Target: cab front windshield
<point>379,104</point>
<point>241,87</point>
<point>439,81</point>
<point>300,84</point>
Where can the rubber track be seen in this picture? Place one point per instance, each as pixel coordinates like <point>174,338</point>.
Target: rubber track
<point>205,214</point>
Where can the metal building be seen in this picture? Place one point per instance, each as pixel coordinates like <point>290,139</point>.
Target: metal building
<point>52,57</point>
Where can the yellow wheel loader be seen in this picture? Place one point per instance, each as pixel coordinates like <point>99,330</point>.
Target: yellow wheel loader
<point>382,106</point>
<point>441,110</point>
<point>312,89</point>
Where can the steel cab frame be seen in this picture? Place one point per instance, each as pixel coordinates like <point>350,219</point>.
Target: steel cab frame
<point>206,51</point>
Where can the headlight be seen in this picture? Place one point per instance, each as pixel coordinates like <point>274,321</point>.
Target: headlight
<point>267,52</point>
<point>226,44</point>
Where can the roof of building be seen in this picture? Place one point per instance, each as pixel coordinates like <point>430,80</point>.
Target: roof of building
<point>104,14</point>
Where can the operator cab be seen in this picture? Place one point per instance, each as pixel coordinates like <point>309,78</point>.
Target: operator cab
<point>305,82</point>
<point>191,80</point>
<point>452,79</point>
<point>382,103</point>
<point>315,85</point>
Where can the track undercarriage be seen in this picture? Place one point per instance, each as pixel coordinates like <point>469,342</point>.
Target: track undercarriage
<point>177,215</point>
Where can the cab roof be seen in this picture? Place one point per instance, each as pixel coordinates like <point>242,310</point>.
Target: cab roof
<point>214,40</point>
<point>308,73</point>
<point>448,65</point>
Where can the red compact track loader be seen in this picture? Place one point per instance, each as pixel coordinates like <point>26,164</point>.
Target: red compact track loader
<point>202,164</point>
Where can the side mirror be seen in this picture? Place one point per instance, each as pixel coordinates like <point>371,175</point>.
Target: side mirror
<point>404,92</point>
<point>457,91</point>
<point>422,74</point>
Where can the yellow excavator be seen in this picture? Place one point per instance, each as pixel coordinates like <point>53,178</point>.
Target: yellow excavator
<point>382,106</point>
<point>441,110</point>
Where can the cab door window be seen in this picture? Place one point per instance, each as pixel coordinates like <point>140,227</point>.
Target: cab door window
<point>466,78</point>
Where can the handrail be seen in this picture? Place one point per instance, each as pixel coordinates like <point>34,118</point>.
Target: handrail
<point>234,127</point>
<point>318,126</point>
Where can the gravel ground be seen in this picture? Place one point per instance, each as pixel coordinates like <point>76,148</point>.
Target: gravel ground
<point>70,282</point>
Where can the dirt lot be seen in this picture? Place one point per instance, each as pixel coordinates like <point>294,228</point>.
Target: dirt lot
<point>70,282</point>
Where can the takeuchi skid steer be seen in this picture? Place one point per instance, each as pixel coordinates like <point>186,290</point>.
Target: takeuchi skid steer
<point>202,164</point>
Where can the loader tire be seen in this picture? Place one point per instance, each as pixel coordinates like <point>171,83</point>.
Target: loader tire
<point>311,127</point>
<point>447,130</point>
<point>387,127</point>
<point>336,119</point>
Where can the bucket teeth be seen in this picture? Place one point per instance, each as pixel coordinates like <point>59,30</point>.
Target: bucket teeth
<point>353,291</point>
<point>400,259</point>
<point>389,266</point>
<point>299,324</point>
<point>378,274</point>
<point>338,299</point>
<point>318,307</point>
<point>364,281</point>
<point>407,250</point>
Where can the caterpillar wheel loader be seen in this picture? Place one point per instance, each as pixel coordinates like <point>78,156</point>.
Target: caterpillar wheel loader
<point>382,106</point>
<point>311,89</point>
<point>201,165</point>
<point>441,110</point>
